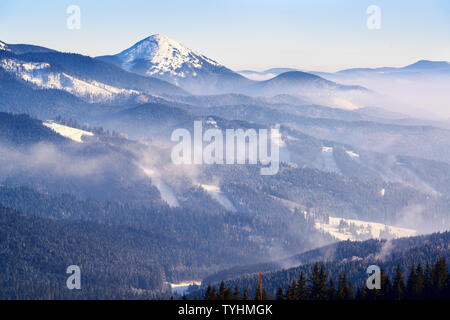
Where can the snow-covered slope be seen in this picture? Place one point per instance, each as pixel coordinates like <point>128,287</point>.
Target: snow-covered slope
<point>165,55</point>
<point>73,134</point>
<point>161,57</point>
<point>43,76</point>
<point>351,229</point>
<point>219,196</point>
<point>164,189</point>
<point>329,161</point>
<point>4,46</point>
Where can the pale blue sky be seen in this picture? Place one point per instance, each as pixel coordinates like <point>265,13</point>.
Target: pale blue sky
<point>249,34</point>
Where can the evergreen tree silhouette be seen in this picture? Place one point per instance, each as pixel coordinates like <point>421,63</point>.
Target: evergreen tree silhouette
<point>265,296</point>
<point>385,292</point>
<point>440,275</point>
<point>398,285</point>
<point>214,294</point>
<point>332,293</point>
<point>411,287</point>
<point>208,293</point>
<point>350,291</point>
<point>420,287</point>
<point>302,288</point>
<point>236,293</point>
<point>222,291</point>
<point>342,287</point>
<point>319,290</point>
<point>280,294</point>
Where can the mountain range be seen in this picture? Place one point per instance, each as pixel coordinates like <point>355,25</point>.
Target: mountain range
<point>87,141</point>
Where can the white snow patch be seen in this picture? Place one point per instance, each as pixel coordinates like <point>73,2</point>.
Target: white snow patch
<point>42,76</point>
<point>3,46</point>
<point>219,196</point>
<point>328,159</point>
<point>344,104</point>
<point>365,229</point>
<point>165,190</point>
<point>68,132</point>
<point>182,287</point>
<point>352,154</point>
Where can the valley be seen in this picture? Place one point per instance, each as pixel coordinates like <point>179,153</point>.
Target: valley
<point>88,176</point>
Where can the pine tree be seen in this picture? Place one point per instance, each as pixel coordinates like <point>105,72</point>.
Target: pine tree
<point>386,288</point>
<point>280,294</point>
<point>222,291</point>
<point>447,289</point>
<point>362,294</point>
<point>314,282</point>
<point>236,293</point>
<point>291,293</point>
<point>214,294</point>
<point>411,287</point>
<point>258,295</point>
<point>398,285</point>
<point>246,296</point>
<point>440,275</point>
<point>420,287</point>
<point>318,280</point>
<point>265,296</point>
<point>428,288</point>
<point>228,295</point>
<point>342,287</point>
<point>302,288</point>
<point>323,289</point>
<point>288,293</point>
<point>332,293</point>
<point>208,293</point>
<point>350,291</point>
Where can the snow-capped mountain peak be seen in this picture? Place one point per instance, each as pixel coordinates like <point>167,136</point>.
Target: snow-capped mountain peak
<point>164,55</point>
<point>166,59</point>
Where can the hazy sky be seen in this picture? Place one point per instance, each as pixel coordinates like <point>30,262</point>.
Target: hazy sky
<point>248,34</point>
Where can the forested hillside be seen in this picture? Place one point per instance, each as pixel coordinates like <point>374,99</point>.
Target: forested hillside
<point>116,262</point>
<point>431,283</point>
<point>349,258</point>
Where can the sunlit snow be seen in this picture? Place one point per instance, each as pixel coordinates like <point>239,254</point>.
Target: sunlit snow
<point>68,132</point>
<point>165,54</point>
<point>164,189</point>
<point>219,196</point>
<point>41,75</point>
<point>372,229</point>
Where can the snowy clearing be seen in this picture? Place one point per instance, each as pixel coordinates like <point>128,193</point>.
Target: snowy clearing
<point>219,196</point>
<point>350,229</point>
<point>73,134</point>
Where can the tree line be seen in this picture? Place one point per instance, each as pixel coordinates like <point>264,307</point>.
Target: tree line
<point>431,282</point>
